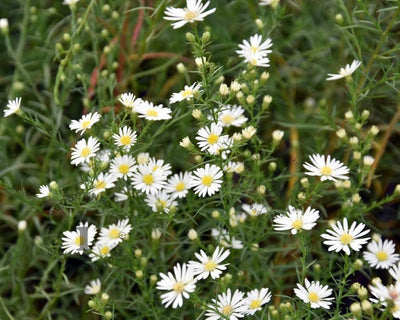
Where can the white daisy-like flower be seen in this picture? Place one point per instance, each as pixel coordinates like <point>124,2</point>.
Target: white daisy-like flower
<point>210,139</point>
<point>231,116</point>
<point>125,138</point>
<point>44,192</point>
<point>83,151</point>
<point>151,112</point>
<point>146,180</point>
<point>209,266</point>
<point>255,209</point>
<point>296,220</point>
<point>194,11</point>
<point>255,299</point>
<point>345,72</point>
<point>160,201</point>
<point>79,240</point>
<point>94,287</point>
<point>255,52</point>
<point>84,123</point>
<point>381,254</point>
<point>102,182</point>
<point>158,167</point>
<point>179,285</point>
<point>227,306</point>
<point>130,101</point>
<point>101,250</point>
<point>225,239</point>
<point>179,184</point>
<point>123,166</point>
<point>327,169</point>
<point>103,157</point>
<point>187,93</point>
<point>13,106</point>
<point>234,166</point>
<point>115,233</point>
<point>123,195</point>
<point>143,158</point>
<point>343,238</point>
<point>207,180</point>
<point>387,295</point>
<point>314,293</point>
<point>394,271</point>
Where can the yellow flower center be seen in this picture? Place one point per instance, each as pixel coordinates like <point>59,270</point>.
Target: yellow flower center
<point>85,152</point>
<point>148,179</point>
<point>346,238</point>
<point>80,240</point>
<point>207,181</point>
<point>152,113</point>
<point>297,224</point>
<point>212,138</point>
<point>123,168</point>
<point>381,255</point>
<point>227,118</point>
<point>114,233</point>
<point>255,304</point>
<point>125,140</point>
<point>210,266</point>
<point>313,297</point>
<point>253,61</point>
<point>254,212</point>
<point>180,186</point>
<point>85,124</point>
<point>187,93</point>
<point>161,204</point>
<point>227,310</point>
<point>190,15</point>
<point>326,171</point>
<point>100,185</point>
<point>178,287</point>
<point>104,250</point>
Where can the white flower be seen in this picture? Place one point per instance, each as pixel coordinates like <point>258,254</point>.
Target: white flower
<point>277,135</point>
<point>227,306</point>
<point>395,272</point>
<point>13,106</point>
<point>44,191</point>
<point>84,123</point>
<point>272,3</point>
<point>255,299</point>
<point>123,166</point>
<point>327,169</point>
<point>225,239</point>
<point>125,138</point>
<point>149,111</point>
<point>186,94</point>
<point>146,180</point>
<point>130,101</point>
<point>209,266</point>
<point>343,238</point>
<point>94,287</point>
<point>345,72</point>
<point>381,254</point>
<point>256,51</point>
<point>101,183</point>
<point>158,167</point>
<point>207,180</point>
<point>83,150</point>
<point>387,294</point>
<point>160,201</point>
<point>231,116</point>
<point>296,220</point>
<point>211,140</point>
<point>194,11</point>
<point>115,233</point>
<point>79,240</point>
<point>233,166</point>
<point>179,184</point>
<point>123,195</point>
<point>179,285</point>
<point>255,209</point>
<point>101,250</point>
<point>248,132</point>
<point>315,294</point>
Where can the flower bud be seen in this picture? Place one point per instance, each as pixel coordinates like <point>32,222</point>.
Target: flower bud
<point>186,143</point>
<point>349,115</point>
<point>4,25</point>
<point>139,274</point>
<point>250,99</point>
<point>261,189</point>
<point>108,315</point>
<point>235,86</point>
<point>181,67</point>
<point>153,278</point>
<point>223,89</point>
<point>196,113</point>
<point>368,161</point>
<point>365,114</point>
<point>190,37</point>
<point>192,234</point>
<point>374,130</point>
<point>355,309</point>
<point>215,214</point>
<point>259,24</point>
<point>105,297</point>
<point>156,234</point>
<point>341,133</point>
<point>21,226</point>
<point>206,37</point>
<point>367,307</point>
<point>277,135</point>
<point>339,19</point>
<point>138,253</point>
<point>266,102</point>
